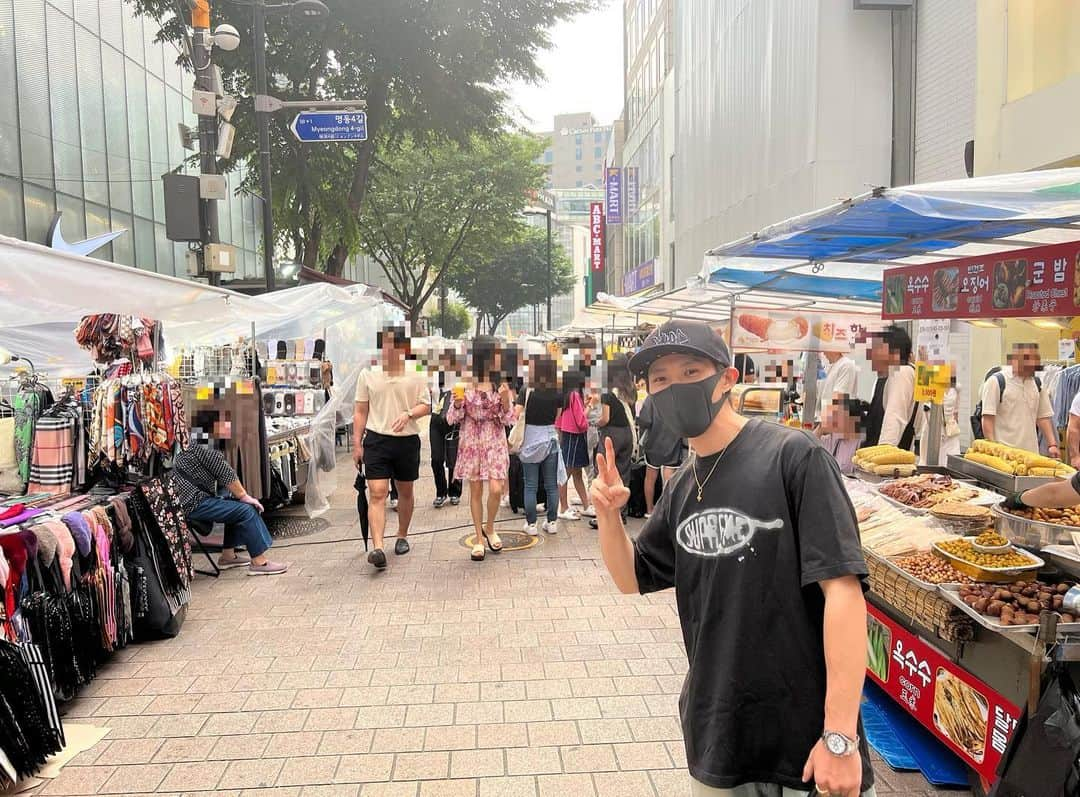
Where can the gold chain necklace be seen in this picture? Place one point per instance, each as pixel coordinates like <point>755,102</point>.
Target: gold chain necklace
<point>701,484</point>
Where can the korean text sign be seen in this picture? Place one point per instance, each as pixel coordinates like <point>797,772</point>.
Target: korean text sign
<point>971,719</point>
<point>1042,281</point>
<point>596,236</point>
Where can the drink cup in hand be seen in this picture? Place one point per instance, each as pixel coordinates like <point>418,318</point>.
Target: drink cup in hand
<point>459,392</point>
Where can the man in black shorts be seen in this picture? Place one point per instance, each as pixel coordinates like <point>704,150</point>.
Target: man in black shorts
<point>387,440</point>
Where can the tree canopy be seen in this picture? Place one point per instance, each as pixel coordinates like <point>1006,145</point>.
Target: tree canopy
<point>428,69</point>
<point>513,276</point>
<point>431,209</point>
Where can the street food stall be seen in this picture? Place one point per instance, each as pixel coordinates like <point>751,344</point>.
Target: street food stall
<point>973,609</point>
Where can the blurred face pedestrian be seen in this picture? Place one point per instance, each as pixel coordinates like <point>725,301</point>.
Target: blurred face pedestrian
<point>1025,360</point>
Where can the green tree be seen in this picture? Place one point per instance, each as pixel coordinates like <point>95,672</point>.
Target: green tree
<point>513,276</point>
<point>431,209</point>
<point>458,318</point>
<point>427,68</point>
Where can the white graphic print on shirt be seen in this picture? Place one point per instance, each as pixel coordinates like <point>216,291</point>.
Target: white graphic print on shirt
<point>720,532</point>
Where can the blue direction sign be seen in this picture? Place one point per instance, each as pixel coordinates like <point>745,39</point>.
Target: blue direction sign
<point>313,126</point>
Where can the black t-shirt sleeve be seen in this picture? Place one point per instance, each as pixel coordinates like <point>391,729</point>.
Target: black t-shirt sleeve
<point>654,550</point>
<point>828,531</point>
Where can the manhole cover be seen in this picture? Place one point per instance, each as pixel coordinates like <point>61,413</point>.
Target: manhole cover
<point>511,540</point>
<point>284,526</point>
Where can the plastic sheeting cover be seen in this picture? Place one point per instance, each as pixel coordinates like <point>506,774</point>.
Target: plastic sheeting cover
<point>322,440</point>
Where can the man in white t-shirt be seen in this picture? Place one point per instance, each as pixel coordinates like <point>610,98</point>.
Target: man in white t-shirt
<point>1014,405</point>
<point>387,440</point>
<point>841,378</point>
<point>1073,434</point>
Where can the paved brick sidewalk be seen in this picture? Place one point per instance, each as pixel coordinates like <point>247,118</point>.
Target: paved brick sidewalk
<point>524,675</point>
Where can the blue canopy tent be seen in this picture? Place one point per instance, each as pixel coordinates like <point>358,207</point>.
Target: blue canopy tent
<point>833,259</point>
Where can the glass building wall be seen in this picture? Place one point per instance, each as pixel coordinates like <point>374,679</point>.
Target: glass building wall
<point>89,107</point>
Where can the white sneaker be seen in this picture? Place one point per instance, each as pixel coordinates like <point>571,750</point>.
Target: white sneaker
<point>552,527</point>
<point>570,514</point>
<point>575,499</point>
<point>504,501</point>
<point>647,515</point>
<point>530,529</point>
<point>393,504</point>
<point>589,511</point>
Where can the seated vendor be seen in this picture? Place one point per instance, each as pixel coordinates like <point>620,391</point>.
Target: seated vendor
<point>842,429</point>
<point>210,492</point>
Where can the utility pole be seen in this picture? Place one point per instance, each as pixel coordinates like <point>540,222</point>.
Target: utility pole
<point>549,269</point>
<point>202,47</point>
<point>263,121</point>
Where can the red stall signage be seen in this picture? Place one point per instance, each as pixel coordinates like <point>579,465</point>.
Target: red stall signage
<point>971,719</point>
<point>596,235</point>
<point>1042,281</point>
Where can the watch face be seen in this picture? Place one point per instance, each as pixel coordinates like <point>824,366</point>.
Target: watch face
<point>836,743</point>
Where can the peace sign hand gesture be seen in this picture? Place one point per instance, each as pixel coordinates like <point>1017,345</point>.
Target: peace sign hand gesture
<point>609,494</point>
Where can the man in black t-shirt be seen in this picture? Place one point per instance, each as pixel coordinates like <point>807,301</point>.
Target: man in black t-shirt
<point>760,541</point>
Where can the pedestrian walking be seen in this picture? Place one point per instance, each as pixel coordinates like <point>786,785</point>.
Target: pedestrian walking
<point>483,410</point>
<point>540,454</point>
<point>444,447</point>
<point>573,428</point>
<point>757,526</point>
<point>389,400</point>
<point>617,422</point>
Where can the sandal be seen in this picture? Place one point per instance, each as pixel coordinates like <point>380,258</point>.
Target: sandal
<point>493,541</point>
<point>477,553</point>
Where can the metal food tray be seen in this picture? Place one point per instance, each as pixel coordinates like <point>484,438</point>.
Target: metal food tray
<point>951,593</point>
<point>887,561</point>
<point>1032,533</point>
<point>1006,482</point>
<point>990,575</point>
<point>982,498</point>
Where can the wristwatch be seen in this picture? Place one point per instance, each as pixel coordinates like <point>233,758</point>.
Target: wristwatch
<point>840,745</point>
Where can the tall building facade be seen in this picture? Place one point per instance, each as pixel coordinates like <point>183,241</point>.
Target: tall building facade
<point>89,107</point>
<point>780,108</point>
<point>575,151</point>
<point>649,139</point>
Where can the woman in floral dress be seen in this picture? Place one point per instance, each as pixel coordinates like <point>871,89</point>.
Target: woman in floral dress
<point>484,412</point>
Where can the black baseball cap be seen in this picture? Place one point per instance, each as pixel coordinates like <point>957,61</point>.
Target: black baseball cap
<point>680,337</point>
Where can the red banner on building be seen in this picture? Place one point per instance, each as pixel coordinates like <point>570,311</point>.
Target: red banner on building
<point>596,236</point>
<point>1042,281</point>
<point>967,715</point>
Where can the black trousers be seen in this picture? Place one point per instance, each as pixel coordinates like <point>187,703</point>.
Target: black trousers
<point>443,460</point>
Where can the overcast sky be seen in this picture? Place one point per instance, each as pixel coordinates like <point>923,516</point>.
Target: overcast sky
<point>584,72</point>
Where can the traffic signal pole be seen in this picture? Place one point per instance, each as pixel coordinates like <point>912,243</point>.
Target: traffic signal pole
<point>202,60</point>
<point>263,121</point>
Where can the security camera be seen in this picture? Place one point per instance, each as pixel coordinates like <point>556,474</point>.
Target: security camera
<point>226,37</point>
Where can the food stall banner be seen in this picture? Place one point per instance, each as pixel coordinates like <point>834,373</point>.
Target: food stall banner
<point>759,328</point>
<point>1041,281</point>
<point>971,719</point>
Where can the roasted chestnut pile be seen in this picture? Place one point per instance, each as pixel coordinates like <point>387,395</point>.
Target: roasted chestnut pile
<point>1020,603</point>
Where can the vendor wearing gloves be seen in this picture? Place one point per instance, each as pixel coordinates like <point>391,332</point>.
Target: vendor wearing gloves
<point>1054,495</point>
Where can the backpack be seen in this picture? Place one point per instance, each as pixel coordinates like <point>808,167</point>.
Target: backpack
<point>976,415</point>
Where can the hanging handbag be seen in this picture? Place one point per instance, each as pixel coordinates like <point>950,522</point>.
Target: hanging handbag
<point>516,437</point>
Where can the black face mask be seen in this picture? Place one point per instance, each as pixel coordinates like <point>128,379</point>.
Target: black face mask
<point>688,408</point>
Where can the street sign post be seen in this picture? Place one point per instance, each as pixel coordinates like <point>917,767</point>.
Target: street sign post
<point>330,126</point>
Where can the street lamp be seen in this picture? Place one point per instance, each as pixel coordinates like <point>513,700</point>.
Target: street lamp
<point>547,213</point>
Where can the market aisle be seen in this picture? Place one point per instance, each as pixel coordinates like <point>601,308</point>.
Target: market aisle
<point>524,675</point>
